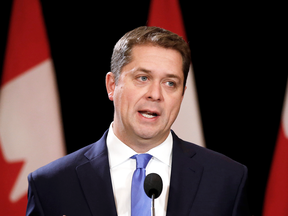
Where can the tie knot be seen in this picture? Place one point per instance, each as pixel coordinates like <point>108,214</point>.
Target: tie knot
<point>142,160</point>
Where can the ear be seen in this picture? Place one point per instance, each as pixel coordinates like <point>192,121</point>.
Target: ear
<point>110,85</point>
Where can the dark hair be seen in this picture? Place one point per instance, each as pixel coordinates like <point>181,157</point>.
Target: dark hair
<point>148,35</point>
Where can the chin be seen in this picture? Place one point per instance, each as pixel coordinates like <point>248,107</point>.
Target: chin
<point>148,134</point>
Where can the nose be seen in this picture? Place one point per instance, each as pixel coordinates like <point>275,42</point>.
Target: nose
<point>154,92</point>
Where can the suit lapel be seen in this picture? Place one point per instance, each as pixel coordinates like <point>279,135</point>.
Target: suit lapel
<point>185,178</point>
<point>95,180</point>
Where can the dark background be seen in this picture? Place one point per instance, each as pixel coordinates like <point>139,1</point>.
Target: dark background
<point>237,56</point>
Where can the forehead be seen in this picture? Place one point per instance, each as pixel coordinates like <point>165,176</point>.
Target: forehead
<point>155,58</point>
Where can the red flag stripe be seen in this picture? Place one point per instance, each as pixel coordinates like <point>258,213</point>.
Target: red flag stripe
<point>276,197</point>
<point>171,21</point>
<point>31,48</point>
<point>10,172</point>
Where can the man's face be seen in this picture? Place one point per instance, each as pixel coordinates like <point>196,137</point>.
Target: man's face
<point>148,95</point>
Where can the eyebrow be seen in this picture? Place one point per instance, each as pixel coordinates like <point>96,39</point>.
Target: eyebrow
<point>143,70</point>
<point>149,71</point>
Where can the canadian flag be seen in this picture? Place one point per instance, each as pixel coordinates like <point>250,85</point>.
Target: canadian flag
<point>30,122</point>
<point>167,14</point>
<point>276,197</point>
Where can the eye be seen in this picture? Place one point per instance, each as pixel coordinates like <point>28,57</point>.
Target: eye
<point>170,83</point>
<point>143,78</point>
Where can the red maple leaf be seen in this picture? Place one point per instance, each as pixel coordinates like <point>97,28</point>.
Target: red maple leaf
<point>9,174</point>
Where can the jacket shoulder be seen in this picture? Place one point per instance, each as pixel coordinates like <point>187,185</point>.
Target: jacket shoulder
<point>63,165</point>
<point>67,164</point>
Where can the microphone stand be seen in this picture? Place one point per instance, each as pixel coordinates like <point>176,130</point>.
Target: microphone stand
<point>152,205</point>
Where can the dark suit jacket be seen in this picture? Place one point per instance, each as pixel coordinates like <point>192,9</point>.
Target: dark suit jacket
<point>203,182</point>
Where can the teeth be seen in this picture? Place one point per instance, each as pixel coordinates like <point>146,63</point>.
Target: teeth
<point>148,115</point>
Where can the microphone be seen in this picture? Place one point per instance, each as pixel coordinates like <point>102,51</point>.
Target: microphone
<point>153,187</point>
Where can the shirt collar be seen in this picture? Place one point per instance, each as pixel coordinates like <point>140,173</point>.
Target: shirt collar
<point>163,151</point>
<point>120,152</point>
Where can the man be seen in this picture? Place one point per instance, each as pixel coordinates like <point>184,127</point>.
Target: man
<point>149,69</point>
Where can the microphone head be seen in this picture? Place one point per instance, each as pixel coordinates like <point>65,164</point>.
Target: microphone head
<point>153,185</point>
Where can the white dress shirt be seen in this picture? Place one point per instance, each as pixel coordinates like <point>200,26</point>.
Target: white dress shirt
<point>122,168</point>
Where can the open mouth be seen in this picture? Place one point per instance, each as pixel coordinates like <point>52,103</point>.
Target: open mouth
<point>148,114</point>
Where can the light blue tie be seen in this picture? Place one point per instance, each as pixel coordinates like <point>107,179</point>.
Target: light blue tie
<point>140,202</point>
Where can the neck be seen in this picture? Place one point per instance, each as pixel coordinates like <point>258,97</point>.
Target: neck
<point>141,147</point>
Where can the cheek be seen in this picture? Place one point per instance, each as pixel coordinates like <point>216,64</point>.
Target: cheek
<point>124,97</point>
<point>117,97</point>
<point>174,105</point>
